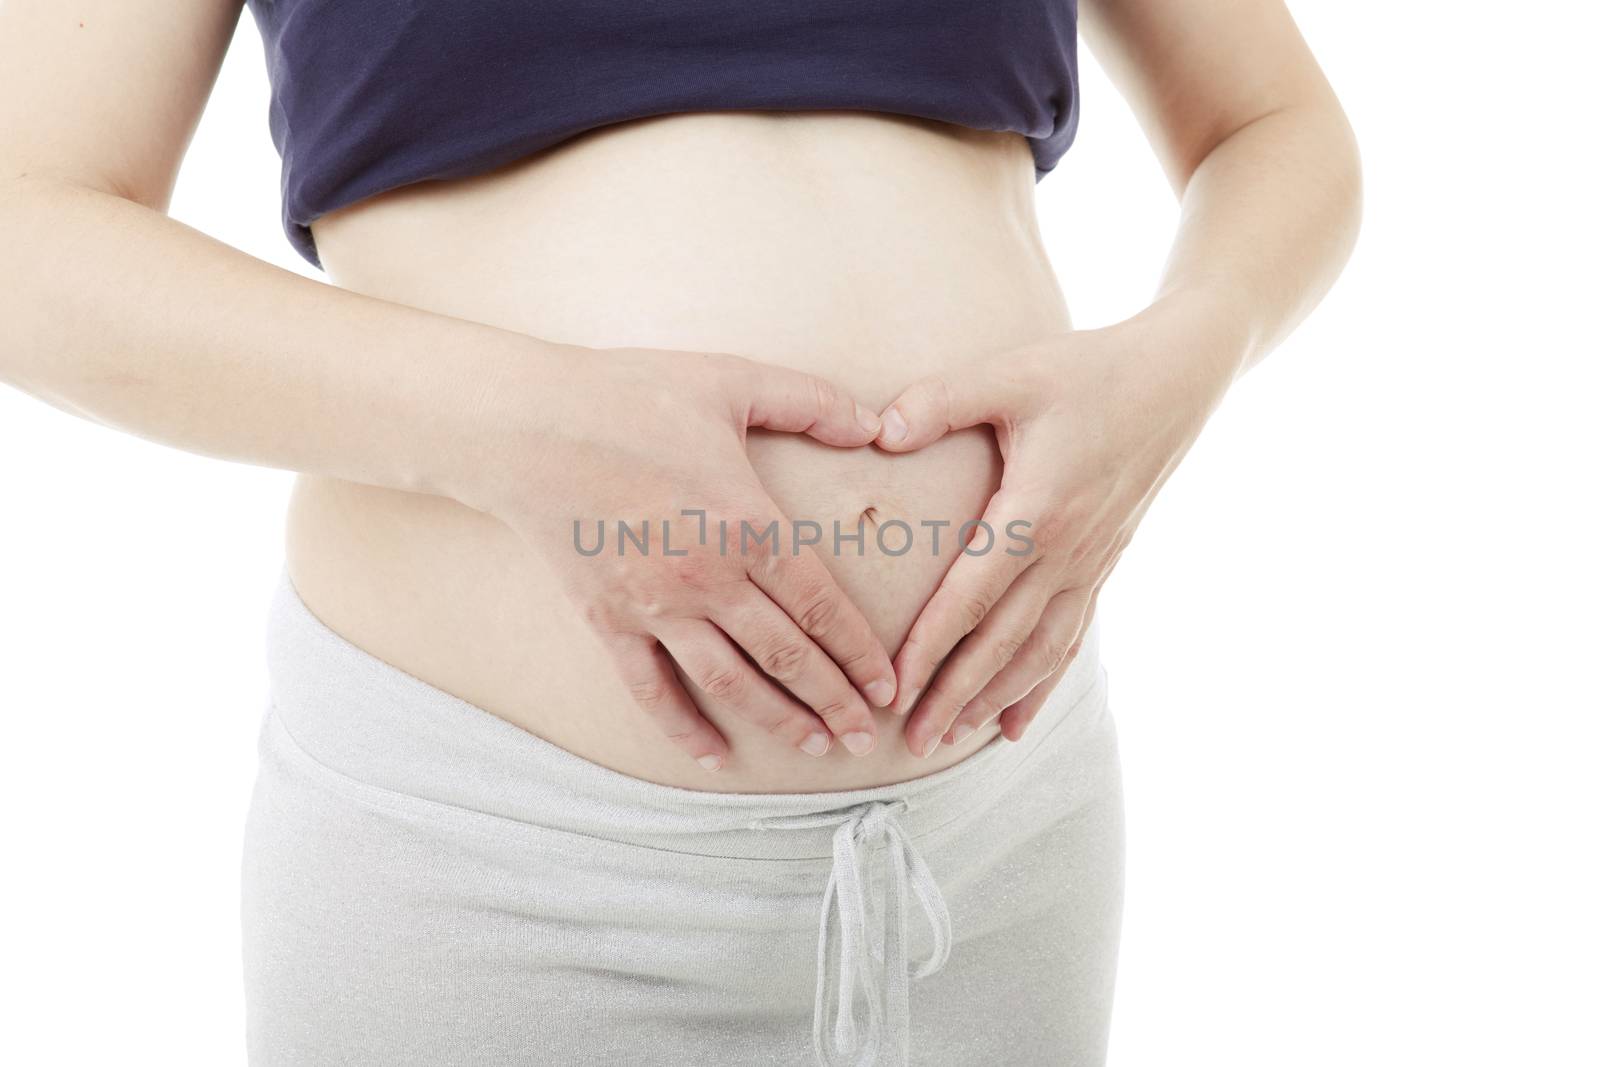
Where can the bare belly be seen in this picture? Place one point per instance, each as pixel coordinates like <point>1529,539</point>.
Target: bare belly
<point>868,249</point>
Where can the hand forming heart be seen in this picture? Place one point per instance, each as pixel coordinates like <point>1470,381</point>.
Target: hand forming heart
<point>1090,425</point>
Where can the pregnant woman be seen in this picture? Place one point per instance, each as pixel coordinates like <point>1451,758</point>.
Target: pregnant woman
<point>645,687</point>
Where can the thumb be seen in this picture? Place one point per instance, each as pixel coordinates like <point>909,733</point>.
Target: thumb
<point>794,402</point>
<point>937,405</point>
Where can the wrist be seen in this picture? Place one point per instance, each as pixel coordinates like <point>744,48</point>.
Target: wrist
<point>1173,361</point>
<point>1209,325</point>
<point>501,428</point>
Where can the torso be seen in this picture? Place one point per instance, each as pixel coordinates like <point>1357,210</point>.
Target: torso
<point>869,249</point>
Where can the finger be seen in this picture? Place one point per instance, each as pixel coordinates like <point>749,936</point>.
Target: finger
<point>1047,650</point>
<point>806,591</point>
<point>780,399</point>
<point>781,649</point>
<point>983,654</point>
<point>936,405</point>
<point>969,589</point>
<point>647,671</point>
<point>1015,719</point>
<point>716,669</point>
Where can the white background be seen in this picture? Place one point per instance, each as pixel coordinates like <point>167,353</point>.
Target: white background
<point>1352,651</point>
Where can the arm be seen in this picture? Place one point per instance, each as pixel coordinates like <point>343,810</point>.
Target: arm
<point>1093,423</point>
<point>1257,149</point>
<point>119,314</point>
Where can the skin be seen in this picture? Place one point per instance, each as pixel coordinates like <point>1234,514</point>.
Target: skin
<point>748,233</point>
<point>1094,422</point>
<point>170,316</point>
<point>448,424</point>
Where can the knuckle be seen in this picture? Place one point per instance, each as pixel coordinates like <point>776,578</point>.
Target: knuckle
<point>1084,554</point>
<point>651,603</point>
<point>1008,501</point>
<point>1005,650</point>
<point>761,567</point>
<point>692,571</point>
<point>970,608</point>
<point>819,616</point>
<point>1050,528</point>
<point>724,683</point>
<point>785,660</point>
<point>833,711</point>
<point>1056,655</point>
<point>760,547</point>
<point>596,614</point>
<point>649,695</point>
<point>825,396</point>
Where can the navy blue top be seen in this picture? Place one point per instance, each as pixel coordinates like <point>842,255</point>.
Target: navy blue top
<point>367,97</point>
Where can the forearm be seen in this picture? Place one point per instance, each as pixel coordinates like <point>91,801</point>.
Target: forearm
<point>117,313</point>
<point>1268,220</point>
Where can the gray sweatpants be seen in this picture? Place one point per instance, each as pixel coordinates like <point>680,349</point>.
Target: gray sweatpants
<point>426,884</point>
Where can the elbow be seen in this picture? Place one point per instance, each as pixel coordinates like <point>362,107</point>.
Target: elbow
<point>1309,143</point>
<point>1356,181</point>
<point>33,208</point>
<point>1342,166</point>
<point>24,188</point>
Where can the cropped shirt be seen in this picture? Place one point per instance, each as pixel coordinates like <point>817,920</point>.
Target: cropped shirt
<point>370,96</point>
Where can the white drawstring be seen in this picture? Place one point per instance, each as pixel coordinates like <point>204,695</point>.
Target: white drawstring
<point>870,936</point>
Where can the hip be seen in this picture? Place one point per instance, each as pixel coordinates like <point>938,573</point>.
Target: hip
<point>425,883</point>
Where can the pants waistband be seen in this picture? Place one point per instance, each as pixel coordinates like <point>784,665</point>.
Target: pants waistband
<point>369,720</point>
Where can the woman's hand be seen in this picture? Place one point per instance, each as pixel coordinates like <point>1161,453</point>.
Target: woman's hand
<point>1090,425</point>
<point>656,440</point>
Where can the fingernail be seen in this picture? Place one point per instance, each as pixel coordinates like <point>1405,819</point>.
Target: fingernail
<point>894,426</point>
<point>927,749</point>
<point>815,745</point>
<point>880,692</point>
<point>710,763</point>
<point>859,742</point>
<point>960,733</point>
<point>868,420</point>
